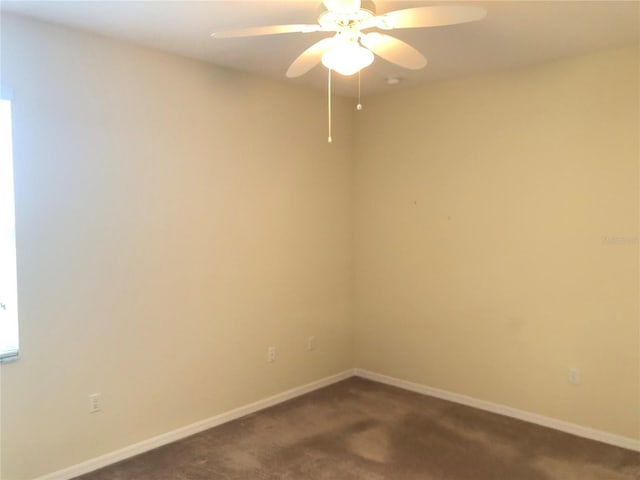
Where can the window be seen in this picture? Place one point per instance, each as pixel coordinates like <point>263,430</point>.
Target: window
<point>8,279</point>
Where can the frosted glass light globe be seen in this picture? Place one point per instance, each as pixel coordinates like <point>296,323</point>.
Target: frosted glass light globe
<point>347,58</point>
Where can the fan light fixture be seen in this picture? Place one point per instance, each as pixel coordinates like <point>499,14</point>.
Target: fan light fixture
<point>347,58</point>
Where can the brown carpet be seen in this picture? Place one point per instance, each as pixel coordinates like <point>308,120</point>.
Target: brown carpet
<point>358,429</point>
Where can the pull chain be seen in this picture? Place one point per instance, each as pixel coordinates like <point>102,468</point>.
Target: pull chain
<point>329,139</point>
<point>359,105</point>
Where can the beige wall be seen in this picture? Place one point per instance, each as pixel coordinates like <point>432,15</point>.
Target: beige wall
<point>481,209</point>
<point>173,221</point>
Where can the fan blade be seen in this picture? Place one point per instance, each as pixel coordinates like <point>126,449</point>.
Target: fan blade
<point>430,16</point>
<point>309,58</point>
<point>394,50</point>
<point>268,30</point>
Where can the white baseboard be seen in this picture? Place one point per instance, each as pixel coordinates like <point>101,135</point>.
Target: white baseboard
<point>567,427</point>
<point>183,432</point>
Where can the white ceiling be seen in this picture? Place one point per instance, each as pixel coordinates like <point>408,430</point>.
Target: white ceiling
<point>514,34</point>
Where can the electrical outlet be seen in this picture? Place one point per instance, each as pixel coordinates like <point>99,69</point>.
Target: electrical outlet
<point>311,343</point>
<point>271,354</point>
<point>574,376</point>
<point>95,403</point>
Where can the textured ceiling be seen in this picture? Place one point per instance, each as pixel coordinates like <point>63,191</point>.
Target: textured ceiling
<point>514,34</point>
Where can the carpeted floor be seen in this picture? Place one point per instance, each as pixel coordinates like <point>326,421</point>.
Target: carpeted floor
<point>358,429</point>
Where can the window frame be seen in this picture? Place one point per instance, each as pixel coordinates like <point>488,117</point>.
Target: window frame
<point>10,348</point>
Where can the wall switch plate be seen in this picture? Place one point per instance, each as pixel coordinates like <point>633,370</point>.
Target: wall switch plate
<point>271,354</point>
<point>574,376</point>
<point>95,403</point>
<point>311,343</point>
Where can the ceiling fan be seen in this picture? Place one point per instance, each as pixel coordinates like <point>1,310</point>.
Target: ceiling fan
<point>350,49</point>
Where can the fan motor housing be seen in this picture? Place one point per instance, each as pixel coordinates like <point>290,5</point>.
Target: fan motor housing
<point>368,5</point>
<point>339,21</point>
